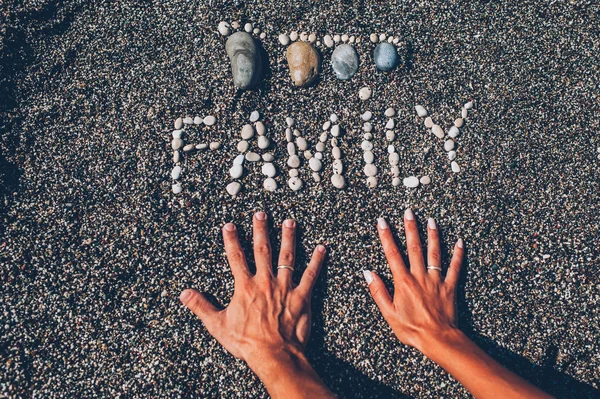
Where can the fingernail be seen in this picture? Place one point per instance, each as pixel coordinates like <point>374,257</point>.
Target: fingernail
<point>261,215</point>
<point>408,214</point>
<point>321,248</point>
<point>368,276</point>
<point>229,226</point>
<point>185,296</point>
<point>290,223</point>
<point>382,224</point>
<point>460,243</point>
<point>432,224</point>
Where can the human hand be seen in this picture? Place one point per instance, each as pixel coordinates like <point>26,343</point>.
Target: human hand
<point>423,307</point>
<point>268,318</point>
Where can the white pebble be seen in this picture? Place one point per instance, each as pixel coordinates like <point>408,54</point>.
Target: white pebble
<point>459,122</point>
<point>235,24</point>
<point>176,188</point>
<point>345,38</point>
<point>366,116</point>
<point>373,37</point>
<point>468,105</point>
<point>320,146</point>
<point>334,142</point>
<point>390,135</point>
<point>303,36</point>
<point>370,170</point>
<point>391,149</point>
<point>390,112</point>
<point>256,31</point>
<point>368,156</point>
<point>328,41</point>
<point>236,171</point>
<point>437,130</point>
<point>365,93</point>
<point>291,148</point>
<point>411,181</point>
<point>301,143</point>
<point>247,132</point>
<point>319,155</point>
<point>382,37</point>
<point>323,137</point>
<point>224,28</point>
<point>366,145</point>
<point>396,181</point>
<point>263,142</point>
<point>293,172</point>
<point>394,159</point>
<point>268,157</point>
<point>425,180</point>
<point>336,152</point>
<point>284,39</point>
<point>252,157</point>
<point>335,130</point>
<point>176,144</point>
<point>215,145</point>
<point>464,113</point>
<point>239,160</point>
<point>390,39</point>
<point>209,120</point>
<point>176,156</point>
<point>308,154</point>
<point>428,122</point>
<point>338,166</point>
<point>254,116</point>
<point>197,120</point>
<point>248,27</point>
<point>312,38</point>
<point>455,167</point>
<point>176,172</point>
<point>372,182</point>
<point>178,123</point>
<point>233,188</point>
<point>290,121</point>
<point>395,171</point>
<point>293,161</point>
<point>270,184</point>
<point>421,111</point>
<point>367,127</point>
<point>336,38</point>
<point>449,145</point>
<point>452,155</point>
<point>293,35</point>
<point>333,118</point>
<point>390,124</point>
<point>176,134</point>
<point>188,147</point>
<point>453,131</point>
<point>315,164</point>
<point>368,136</point>
<point>316,177</point>
<point>288,134</point>
<point>338,181</point>
<point>260,128</point>
<point>201,146</point>
<point>268,169</point>
<point>295,183</point>
<point>326,125</point>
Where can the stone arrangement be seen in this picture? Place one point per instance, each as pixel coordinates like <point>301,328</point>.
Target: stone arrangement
<point>332,126</point>
<point>182,125</point>
<point>244,54</point>
<point>263,143</point>
<point>385,54</point>
<point>370,169</point>
<point>293,134</point>
<point>452,133</point>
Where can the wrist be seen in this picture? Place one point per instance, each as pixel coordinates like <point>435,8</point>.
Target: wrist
<point>268,361</point>
<point>437,344</point>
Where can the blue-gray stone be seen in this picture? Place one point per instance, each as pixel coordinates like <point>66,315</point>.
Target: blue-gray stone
<point>344,61</point>
<point>385,56</point>
<point>246,62</point>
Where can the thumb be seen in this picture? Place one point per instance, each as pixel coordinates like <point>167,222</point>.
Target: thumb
<point>379,292</point>
<point>200,306</point>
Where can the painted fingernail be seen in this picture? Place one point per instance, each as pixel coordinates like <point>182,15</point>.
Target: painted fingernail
<point>382,224</point>
<point>368,276</point>
<point>432,224</point>
<point>261,215</point>
<point>229,226</point>
<point>290,223</point>
<point>185,296</point>
<point>408,214</point>
<point>321,248</point>
<point>460,243</point>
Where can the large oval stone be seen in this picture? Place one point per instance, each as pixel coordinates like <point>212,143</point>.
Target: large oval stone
<point>344,61</point>
<point>304,64</point>
<point>385,56</point>
<point>246,62</point>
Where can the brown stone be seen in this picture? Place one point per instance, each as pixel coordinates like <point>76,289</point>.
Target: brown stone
<point>304,64</point>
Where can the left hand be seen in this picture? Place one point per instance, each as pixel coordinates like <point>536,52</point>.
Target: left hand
<point>268,314</point>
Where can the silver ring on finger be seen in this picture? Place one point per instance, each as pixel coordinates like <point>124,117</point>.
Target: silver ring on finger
<point>290,268</point>
<point>439,269</point>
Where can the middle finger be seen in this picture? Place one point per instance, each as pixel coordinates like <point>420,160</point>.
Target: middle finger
<point>413,244</point>
<point>287,254</point>
<point>262,245</point>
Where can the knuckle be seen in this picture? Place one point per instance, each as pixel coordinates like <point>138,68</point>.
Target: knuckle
<point>415,247</point>
<point>286,257</point>
<point>311,274</point>
<point>263,249</point>
<point>237,256</point>
<point>393,251</point>
<point>435,257</point>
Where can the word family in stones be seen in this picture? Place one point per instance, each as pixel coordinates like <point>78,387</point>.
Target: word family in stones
<point>253,132</point>
<point>184,128</point>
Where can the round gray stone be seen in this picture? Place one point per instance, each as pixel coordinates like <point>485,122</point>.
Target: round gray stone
<point>385,57</point>
<point>344,61</point>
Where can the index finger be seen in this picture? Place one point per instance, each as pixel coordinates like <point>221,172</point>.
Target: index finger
<point>392,253</point>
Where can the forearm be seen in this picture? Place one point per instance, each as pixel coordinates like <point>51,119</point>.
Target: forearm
<point>477,371</point>
<point>288,374</point>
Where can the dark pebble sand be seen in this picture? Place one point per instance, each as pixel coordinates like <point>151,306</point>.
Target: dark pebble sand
<point>95,248</point>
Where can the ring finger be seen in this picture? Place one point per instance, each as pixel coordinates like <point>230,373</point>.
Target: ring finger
<point>287,254</point>
<point>434,257</point>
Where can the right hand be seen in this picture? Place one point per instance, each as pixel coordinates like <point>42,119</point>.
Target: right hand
<point>423,307</point>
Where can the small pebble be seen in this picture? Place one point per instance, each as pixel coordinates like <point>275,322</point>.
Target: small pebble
<point>224,28</point>
<point>178,123</point>
<point>188,147</point>
<point>338,166</point>
<point>197,120</point>
<point>326,125</point>
<point>304,36</point>
<point>455,167</point>
<point>335,130</point>
<point>176,144</point>
<point>390,124</point>
<point>188,120</point>
<point>320,146</point>
<point>368,156</point>
<point>268,169</point>
<point>459,122</point>
<point>239,160</point>
<point>308,154</point>
<point>319,155</point>
<point>394,159</point>
<point>336,152</point>
<point>373,37</point>
<point>252,157</point>
<point>390,112</point>
<point>201,146</point>
<point>270,184</point>
<point>209,120</point>
<point>263,142</point>
<point>428,122</point>
<point>176,134</point>
<point>463,113</point>
<point>323,137</point>
<point>260,128</point>
<point>293,36</point>
<point>288,134</point>
<point>395,171</point>
<point>391,149</point>
<point>390,135</point>
<point>176,188</point>
<point>293,172</point>
<point>366,116</point>
<point>437,130</point>
<point>248,27</point>
<point>421,111</point>
<point>233,188</point>
<point>293,161</point>
<point>236,171</point>
<point>254,116</point>
<point>268,157</point>
<point>368,136</point>
<point>382,37</point>
<point>449,145</point>
<point>452,155</point>
<point>295,183</point>
<point>425,180</point>
<point>336,38</point>
<point>338,181</point>
<point>367,127</point>
<point>247,132</point>
<point>366,145</point>
<point>411,181</point>
<point>301,143</point>
<point>453,131</point>
<point>215,145</point>
<point>328,41</point>
<point>284,39</point>
<point>468,105</point>
<point>315,164</point>
<point>312,38</point>
<point>176,172</point>
<point>372,182</point>
<point>396,181</point>
<point>176,156</point>
<point>291,148</point>
<point>290,121</point>
<point>365,93</point>
<point>370,170</point>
